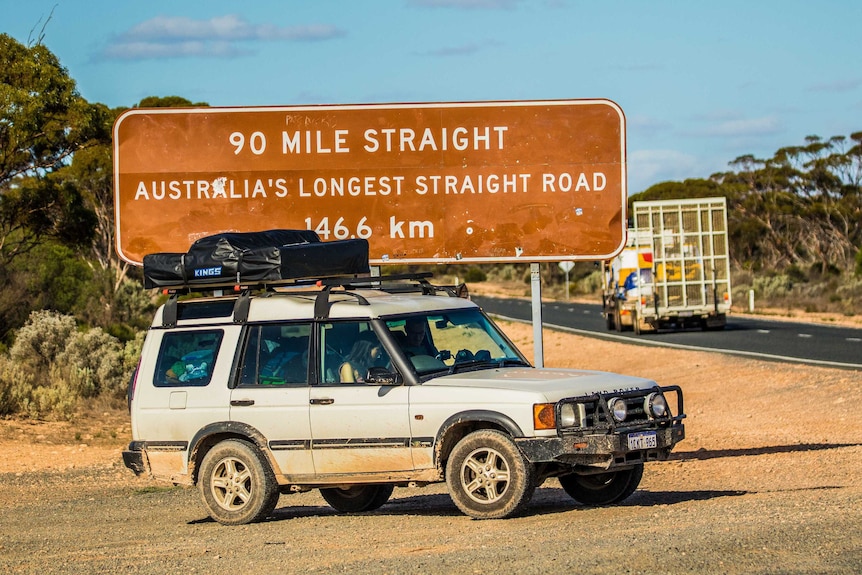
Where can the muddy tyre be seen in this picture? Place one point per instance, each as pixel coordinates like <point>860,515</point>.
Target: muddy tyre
<point>488,476</point>
<point>357,498</point>
<point>603,488</point>
<point>237,484</point>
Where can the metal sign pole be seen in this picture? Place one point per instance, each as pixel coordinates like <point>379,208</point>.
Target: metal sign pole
<point>536,290</point>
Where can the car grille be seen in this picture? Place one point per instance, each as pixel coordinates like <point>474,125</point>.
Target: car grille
<point>592,412</point>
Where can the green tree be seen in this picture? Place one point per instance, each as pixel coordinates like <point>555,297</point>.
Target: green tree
<point>168,102</point>
<point>802,207</point>
<point>43,121</point>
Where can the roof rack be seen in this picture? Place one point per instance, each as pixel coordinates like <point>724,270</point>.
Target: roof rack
<point>393,283</point>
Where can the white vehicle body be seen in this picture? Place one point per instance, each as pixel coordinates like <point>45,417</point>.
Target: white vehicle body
<point>207,410</point>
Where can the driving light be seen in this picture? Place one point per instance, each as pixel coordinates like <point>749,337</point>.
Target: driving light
<point>567,415</point>
<point>617,405</point>
<point>655,405</point>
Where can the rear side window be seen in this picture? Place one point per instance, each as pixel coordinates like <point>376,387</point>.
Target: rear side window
<point>276,355</point>
<point>186,358</point>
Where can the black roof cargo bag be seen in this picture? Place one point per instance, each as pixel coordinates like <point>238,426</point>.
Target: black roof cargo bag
<point>255,257</point>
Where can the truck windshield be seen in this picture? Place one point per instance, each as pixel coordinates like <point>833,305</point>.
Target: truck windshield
<point>453,341</point>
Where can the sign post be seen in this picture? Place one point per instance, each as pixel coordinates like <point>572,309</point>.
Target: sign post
<point>567,266</point>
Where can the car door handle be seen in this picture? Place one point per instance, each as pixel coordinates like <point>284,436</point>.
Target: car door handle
<point>322,401</point>
<point>241,402</point>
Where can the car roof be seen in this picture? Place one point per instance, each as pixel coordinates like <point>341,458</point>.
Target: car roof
<point>304,305</point>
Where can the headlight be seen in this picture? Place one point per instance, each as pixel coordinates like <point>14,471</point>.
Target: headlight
<point>655,405</point>
<point>617,405</point>
<point>567,415</point>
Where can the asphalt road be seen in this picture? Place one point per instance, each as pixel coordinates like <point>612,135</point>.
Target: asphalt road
<point>812,344</point>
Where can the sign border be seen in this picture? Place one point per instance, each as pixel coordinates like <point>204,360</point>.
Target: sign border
<point>395,106</point>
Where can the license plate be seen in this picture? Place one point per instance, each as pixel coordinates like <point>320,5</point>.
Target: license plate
<point>642,440</point>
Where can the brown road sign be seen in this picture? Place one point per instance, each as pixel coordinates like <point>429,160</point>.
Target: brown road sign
<point>424,183</point>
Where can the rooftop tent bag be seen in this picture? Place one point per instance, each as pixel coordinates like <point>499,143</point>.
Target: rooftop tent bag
<point>250,256</point>
<point>323,259</point>
<point>163,269</point>
<point>267,256</point>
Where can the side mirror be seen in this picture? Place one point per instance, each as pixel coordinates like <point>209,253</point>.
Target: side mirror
<point>382,376</point>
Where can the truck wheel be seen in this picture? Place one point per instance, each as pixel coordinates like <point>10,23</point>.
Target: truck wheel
<point>618,318</point>
<point>488,477</point>
<point>603,488</point>
<point>636,322</point>
<point>357,498</point>
<point>237,483</point>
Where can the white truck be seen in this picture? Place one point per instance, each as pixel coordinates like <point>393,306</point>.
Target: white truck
<point>675,269</point>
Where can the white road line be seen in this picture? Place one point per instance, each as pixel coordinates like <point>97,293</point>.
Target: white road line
<point>643,341</point>
<point>804,335</point>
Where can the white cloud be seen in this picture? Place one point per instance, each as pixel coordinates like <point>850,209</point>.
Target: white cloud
<point>648,167</point>
<point>468,4</point>
<point>766,126</point>
<point>647,125</point>
<point>155,50</point>
<point>843,85</point>
<point>462,49</point>
<point>171,37</point>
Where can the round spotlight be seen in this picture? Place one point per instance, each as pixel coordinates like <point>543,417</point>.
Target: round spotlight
<point>655,405</point>
<point>617,405</point>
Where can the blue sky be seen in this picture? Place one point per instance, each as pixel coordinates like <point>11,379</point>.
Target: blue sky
<point>701,83</point>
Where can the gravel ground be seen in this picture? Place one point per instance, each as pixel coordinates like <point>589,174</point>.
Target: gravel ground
<point>767,481</point>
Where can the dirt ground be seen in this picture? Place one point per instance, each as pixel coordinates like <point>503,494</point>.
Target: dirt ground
<point>768,480</point>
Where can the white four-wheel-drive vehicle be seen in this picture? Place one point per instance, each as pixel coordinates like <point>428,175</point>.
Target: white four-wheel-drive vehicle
<point>363,384</point>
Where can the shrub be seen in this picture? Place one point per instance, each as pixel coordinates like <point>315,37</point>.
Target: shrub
<point>52,366</point>
<point>92,363</point>
<point>41,340</point>
<point>475,275</point>
<point>591,284</point>
<point>772,287</point>
<point>15,387</point>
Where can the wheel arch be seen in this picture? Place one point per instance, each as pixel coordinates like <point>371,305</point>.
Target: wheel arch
<point>461,424</point>
<point>212,434</point>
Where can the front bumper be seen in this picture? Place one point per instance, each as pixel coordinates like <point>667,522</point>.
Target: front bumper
<point>599,451</point>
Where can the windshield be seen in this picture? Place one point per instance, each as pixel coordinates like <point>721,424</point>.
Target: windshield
<point>452,341</point>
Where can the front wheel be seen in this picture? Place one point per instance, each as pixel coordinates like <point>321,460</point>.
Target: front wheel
<point>603,488</point>
<point>237,484</point>
<point>488,477</point>
<point>357,498</point>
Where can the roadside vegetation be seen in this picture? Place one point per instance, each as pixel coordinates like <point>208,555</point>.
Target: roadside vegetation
<point>72,314</point>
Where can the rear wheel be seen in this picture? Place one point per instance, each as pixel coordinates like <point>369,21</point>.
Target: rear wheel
<point>609,320</point>
<point>357,498</point>
<point>603,488</point>
<point>488,477</point>
<point>237,483</point>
